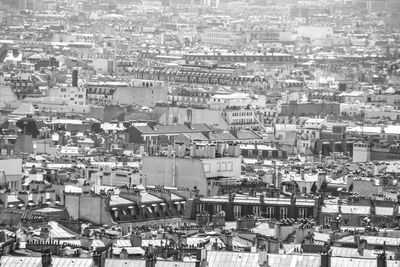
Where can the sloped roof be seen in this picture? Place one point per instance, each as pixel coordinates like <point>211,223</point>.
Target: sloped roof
<point>37,262</point>
<point>353,209</point>
<point>353,253</point>
<point>11,166</point>
<point>142,263</point>
<point>117,200</point>
<point>247,134</point>
<point>280,260</point>
<point>233,259</point>
<point>195,136</point>
<point>357,262</point>
<point>24,109</point>
<point>224,136</point>
<point>173,129</point>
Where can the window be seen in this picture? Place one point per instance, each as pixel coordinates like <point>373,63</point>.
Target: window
<point>269,213</point>
<point>283,213</point>
<point>237,211</point>
<point>207,167</point>
<point>221,166</point>
<point>257,210</point>
<point>200,208</point>
<point>229,166</point>
<point>302,213</point>
<point>217,208</point>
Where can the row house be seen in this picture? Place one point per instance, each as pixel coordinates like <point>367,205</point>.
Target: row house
<point>236,57</point>
<point>101,93</point>
<point>195,76</point>
<point>187,96</point>
<point>24,88</point>
<point>237,206</point>
<point>130,207</point>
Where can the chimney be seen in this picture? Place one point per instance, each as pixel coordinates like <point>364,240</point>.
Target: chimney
<point>96,259</point>
<point>357,238</point>
<point>361,246</point>
<point>46,258</point>
<point>336,224</point>
<point>136,239</point>
<point>75,78</point>
<point>183,239</point>
<point>45,233</point>
<point>86,188</point>
<point>381,260</point>
<point>2,237</point>
<point>326,259</point>
<point>150,257</point>
<point>372,207</point>
<point>397,255</point>
<point>227,239</point>
<point>229,242</point>
<point>277,230</point>
<point>123,254</point>
<point>246,223</point>
<point>200,257</point>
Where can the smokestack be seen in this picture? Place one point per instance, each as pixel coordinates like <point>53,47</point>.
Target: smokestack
<point>381,259</point>
<point>135,239</point>
<point>46,258</point>
<point>75,78</point>
<point>150,257</point>
<point>326,259</point>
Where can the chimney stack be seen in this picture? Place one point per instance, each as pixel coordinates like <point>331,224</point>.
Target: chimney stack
<point>200,257</point>
<point>227,238</point>
<point>361,246</point>
<point>325,259</point>
<point>46,258</point>
<point>75,78</point>
<point>136,239</point>
<point>381,259</point>
<point>123,254</point>
<point>150,257</point>
<point>229,242</point>
<point>357,238</point>
<point>326,255</point>
<point>372,207</point>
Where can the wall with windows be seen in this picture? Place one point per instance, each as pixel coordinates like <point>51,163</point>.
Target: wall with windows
<point>221,37</point>
<point>241,118</point>
<point>74,95</point>
<point>222,167</point>
<point>175,115</point>
<point>236,209</point>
